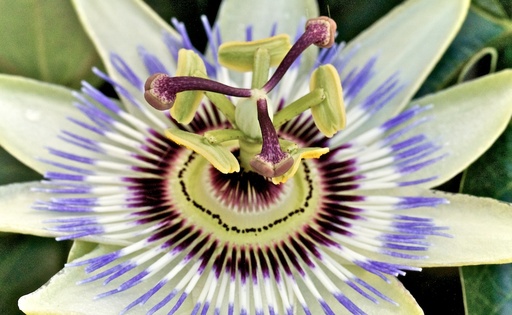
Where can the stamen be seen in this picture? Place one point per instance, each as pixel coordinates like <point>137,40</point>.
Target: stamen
<point>161,89</point>
<point>319,31</point>
<point>272,161</point>
<point>184,92</point>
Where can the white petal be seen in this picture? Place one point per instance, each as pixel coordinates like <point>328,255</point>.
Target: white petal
<point>234,16</point>
<point>481,230</point>
<point>120,27</point>
<point>61,295</point>
<point>17,214</point>
<point>32,114</point>
<point>467,119</point>
<point>409,40</point>
<point>393,290</point>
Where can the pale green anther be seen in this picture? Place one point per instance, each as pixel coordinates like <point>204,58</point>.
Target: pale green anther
<point>187,102</point>
<point>223,104</point>
<point>246,116</point>
<point>239,56</point>
<point>329,115</point>
<point>218,155</point>
<point>297,107</point>
<point>222,135</point>
<point>260,68</point>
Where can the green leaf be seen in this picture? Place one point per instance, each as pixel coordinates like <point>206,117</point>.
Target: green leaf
<point>44,40</point>
<point>488,289</point>
<point>479,30</point>
<point>12,170</point>
<point>491,174</point>
<point>27,263</point>
<point>493,7</point>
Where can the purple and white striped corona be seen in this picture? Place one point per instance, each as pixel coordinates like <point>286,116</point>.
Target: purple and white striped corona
<point>261,198</point>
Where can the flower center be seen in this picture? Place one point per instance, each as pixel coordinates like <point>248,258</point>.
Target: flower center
<point>252,119</point>
<point>238,206</point>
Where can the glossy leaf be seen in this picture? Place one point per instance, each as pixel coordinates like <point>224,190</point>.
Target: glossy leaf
<point>487,289</point>
<point>12,170</point>
<point>491,174</point>
<point>26,263</point>
<point>44,40</point>
<point>493,7</point>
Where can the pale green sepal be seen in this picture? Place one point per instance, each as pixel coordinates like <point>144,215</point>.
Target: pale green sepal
<point>409,41</point>
<point>218,155</point>
<point>235,16</point>
<point>239,56</point>
<point>329,115</point>
<point>466,119</point>
<point>187,102</point>
<point>63,296</point>
<point>120,27</point>
<point>32,115</point>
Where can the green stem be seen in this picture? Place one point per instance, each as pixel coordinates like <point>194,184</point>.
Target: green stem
<point>304,103</point>
<point>261,68</point>
<point>223,104</point>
